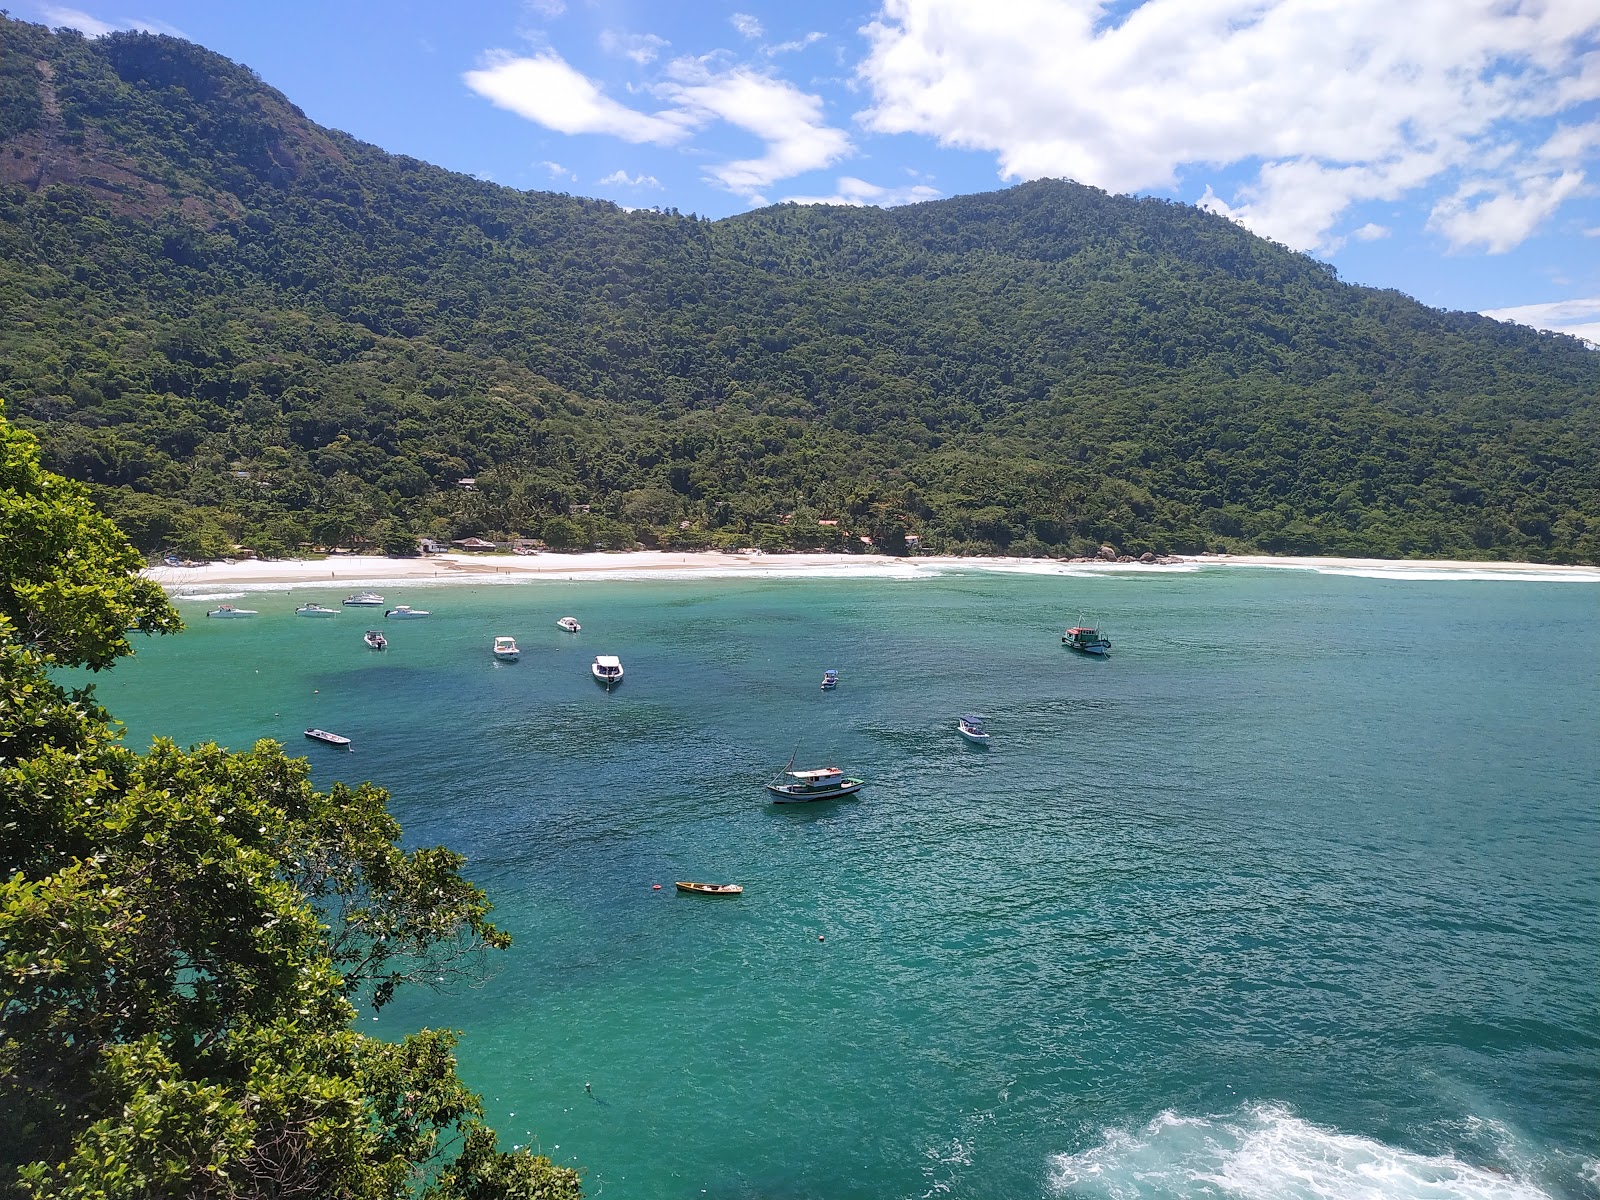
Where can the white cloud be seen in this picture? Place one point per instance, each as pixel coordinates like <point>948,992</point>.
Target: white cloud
<point>1331,103</point>
<point>545,89</point>
<point>557,171</point>
<point>1595,232</point>
<point>788,120</point>
<point>746,25</point>
<point>1501,216</point>
<point>859,192</point>
<point>643,48</point>
<point>1371,232</point>
<point>1581,318</point>
<point>623,179</point>
<point>800,43</point>
<point>546,8</point>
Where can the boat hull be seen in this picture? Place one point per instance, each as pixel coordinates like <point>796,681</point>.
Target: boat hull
<point>710,889</point>
<point>783,793</point>
<point>981,739</point>
<point>1098,650</point>
<point>231,614</point>
<point>329,739</point>
<point>316,612</point>
<point>605,680</point>
<point>394,614</point>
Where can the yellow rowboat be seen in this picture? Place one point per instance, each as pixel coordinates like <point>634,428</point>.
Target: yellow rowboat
<point>710,889</point>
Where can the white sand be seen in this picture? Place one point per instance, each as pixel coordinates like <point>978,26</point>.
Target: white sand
<point>356,572</point>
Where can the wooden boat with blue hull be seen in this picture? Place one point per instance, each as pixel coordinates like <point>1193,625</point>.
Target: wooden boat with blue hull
<point>819,783</point>
<point>1086,640</point>
<point>709,889</point>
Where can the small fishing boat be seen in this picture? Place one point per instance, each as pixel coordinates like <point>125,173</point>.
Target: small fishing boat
<point>405,612</point>
<point>315,610</point>
<point>830,680</point>
<point>971,728</point>
<point>322,735</point>
<point>709,889</point>
<point>570,624</point>
<point>375,639</point>
<point>364,600</point>
<point>226,611</point>
<point>1085,640</point>
<point>505,649</point>
<point>607,668</point>
<point>820,783</point>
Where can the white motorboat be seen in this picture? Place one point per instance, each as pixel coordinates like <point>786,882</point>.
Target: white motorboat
<point>505,649</point>
<point>322,735</point>
<point>315,610</point>
<point>225,611</point>
<point>607,668</point>
<point>570,624</point>
<point>830,680</point>
<point>364,600</point>
<point>405,612</point>
<point>375,639</point>
<point>971,728</point>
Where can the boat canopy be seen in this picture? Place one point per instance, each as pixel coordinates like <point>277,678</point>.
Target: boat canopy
<point>817,774</point>
<point>605,661</point>
<point>970,719</point>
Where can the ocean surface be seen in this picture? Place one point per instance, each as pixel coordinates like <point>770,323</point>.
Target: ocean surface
<point>1295,895</point>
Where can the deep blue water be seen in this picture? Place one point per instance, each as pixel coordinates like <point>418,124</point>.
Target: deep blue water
<point>1297,894</point>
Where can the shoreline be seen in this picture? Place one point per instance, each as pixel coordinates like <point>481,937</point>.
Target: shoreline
<point>363,571</point>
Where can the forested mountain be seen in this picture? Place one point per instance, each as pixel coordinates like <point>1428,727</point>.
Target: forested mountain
<point>241,327</point>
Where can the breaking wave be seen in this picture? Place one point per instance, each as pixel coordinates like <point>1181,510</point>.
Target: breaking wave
<point>1264,1152</point>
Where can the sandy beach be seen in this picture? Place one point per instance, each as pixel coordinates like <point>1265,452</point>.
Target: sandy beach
<point>357,571</point>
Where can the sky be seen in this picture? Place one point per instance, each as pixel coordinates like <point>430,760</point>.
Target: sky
<point>1447,148</point>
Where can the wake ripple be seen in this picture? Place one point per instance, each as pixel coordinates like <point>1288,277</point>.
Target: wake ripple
<point>1264,1152</point>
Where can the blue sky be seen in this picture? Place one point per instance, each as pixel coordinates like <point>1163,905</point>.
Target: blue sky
<point>1448,148</point>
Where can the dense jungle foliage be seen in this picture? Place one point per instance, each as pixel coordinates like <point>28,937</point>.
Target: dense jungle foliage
<point>240,327</point>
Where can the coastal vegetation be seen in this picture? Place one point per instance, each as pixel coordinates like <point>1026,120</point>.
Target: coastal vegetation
<point>239,327</point>
<point>186,935</point>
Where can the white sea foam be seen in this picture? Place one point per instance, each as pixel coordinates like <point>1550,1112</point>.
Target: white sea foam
<point>204,597</point>
<point>1264,1152</point>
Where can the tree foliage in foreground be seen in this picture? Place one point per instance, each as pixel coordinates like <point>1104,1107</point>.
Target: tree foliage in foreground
<point>241,327</point>
<point>184,934</point>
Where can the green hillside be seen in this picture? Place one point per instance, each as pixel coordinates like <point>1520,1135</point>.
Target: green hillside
<point>241,327</point>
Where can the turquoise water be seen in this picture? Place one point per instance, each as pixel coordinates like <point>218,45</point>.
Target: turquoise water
<point>1298,894</point>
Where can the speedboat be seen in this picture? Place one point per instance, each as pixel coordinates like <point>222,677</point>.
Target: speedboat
<point>709,889</point>
<point>971,728</point>
<point>364,600</point>
<point>820,783</point>
<point>228,610</point>
<point>322,735</point>
<point>607,668</point>
<point>570,624</point>
<point>406,613</point>
<point>315,610</point>
<point>505,649</point>
<point>1085,640</point>
<point>375,639</point>
<point>830,680</point>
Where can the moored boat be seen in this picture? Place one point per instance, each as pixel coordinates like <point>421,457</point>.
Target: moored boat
<point>315,610</point>
<point>226,611</point>
<point>830,680</point>
<point>404,612</point>
<point>607,668</point>
<point>1086,640</point>
<point>322,735</point>
<point>505,649</point>
<point>364,600</point>
<point>971,728</point>
<point>570,624</point>
<point>709,889</point>
<point>375,639</point>
<point>819,783</point>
